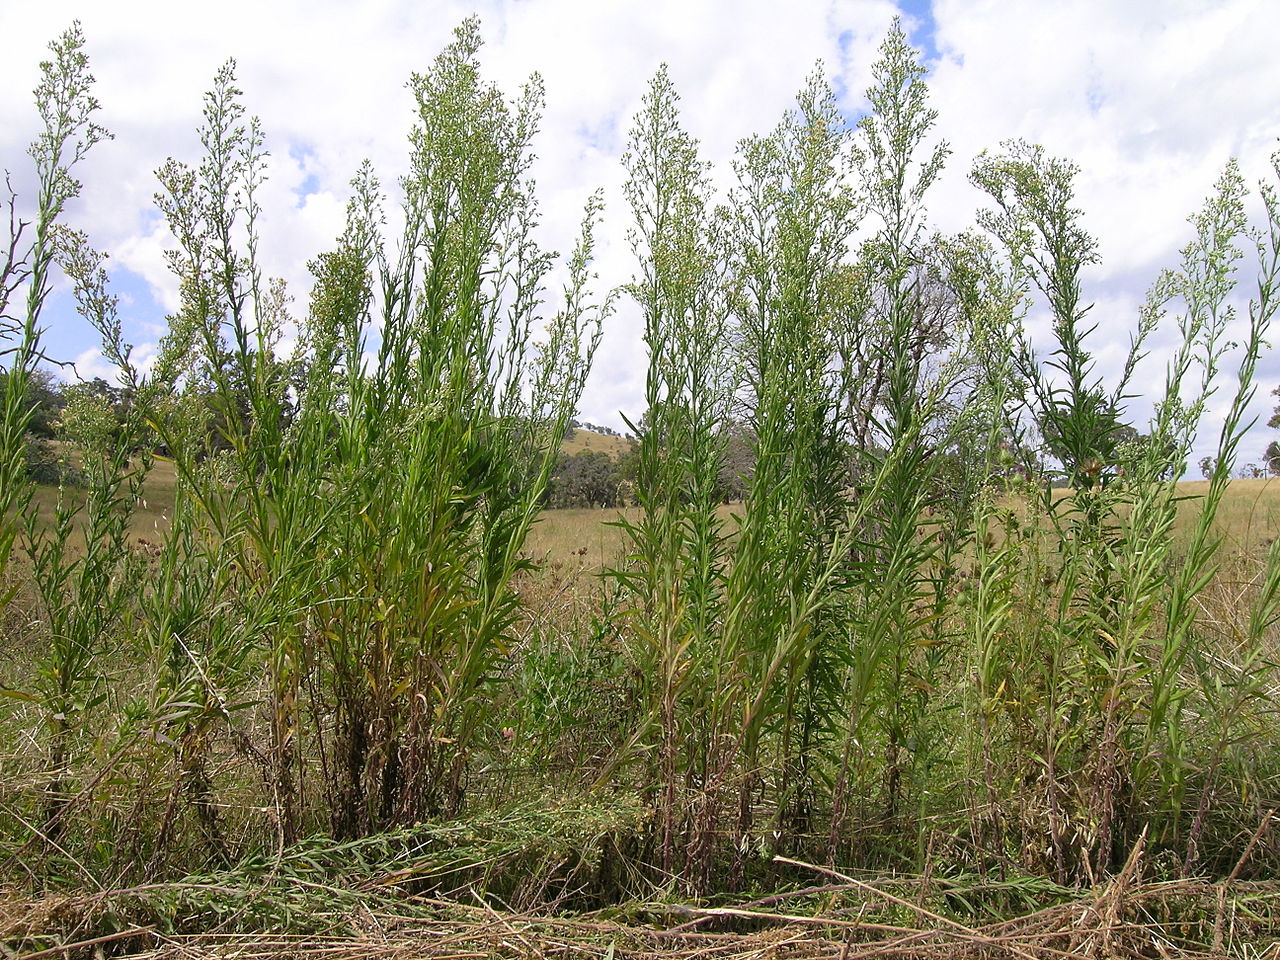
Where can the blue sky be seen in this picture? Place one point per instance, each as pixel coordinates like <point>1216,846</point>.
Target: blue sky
<point>1150,98</point>
<point>918,14</point>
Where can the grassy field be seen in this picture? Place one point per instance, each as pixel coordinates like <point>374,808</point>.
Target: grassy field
<point>1249,517</point>
<point>584,441</point>
<point>560,531</point>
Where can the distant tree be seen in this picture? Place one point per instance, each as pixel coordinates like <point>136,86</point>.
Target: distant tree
<point>1207,466</point>
<point>51,401</point>
<point>45,396</point>
<point>627,468</point>
<point>597,428</point>
<point>586,479</point>
<point>737,464</point>
<point>1272,457</point>
<point>862,304</point>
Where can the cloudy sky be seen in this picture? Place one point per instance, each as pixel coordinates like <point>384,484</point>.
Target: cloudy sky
<point>1150,97</point>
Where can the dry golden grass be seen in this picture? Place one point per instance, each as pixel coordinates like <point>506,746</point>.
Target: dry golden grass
<point>563,535</point>
<point>866,918</point>
<point>591,537</point>
<point>1249,517</point>
<point>150,519</point>
<point>585,536</point>
<point>583,441</point>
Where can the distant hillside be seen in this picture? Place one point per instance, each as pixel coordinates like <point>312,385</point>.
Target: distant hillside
<point>582,440</point>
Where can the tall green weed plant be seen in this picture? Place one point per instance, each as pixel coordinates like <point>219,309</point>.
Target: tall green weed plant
<point>903,650</point>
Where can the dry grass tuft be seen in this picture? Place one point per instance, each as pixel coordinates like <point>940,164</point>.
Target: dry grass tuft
<point>1123,919</point>
<point>588,441</point>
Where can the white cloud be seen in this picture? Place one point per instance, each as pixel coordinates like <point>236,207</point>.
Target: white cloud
<point>1150,98</point>
<point>91,365</point>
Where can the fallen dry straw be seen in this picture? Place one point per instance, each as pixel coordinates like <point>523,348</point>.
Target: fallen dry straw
<point>1122,919</point>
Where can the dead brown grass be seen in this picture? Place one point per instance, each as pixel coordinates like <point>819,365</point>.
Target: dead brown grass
<point>582,441</point>
<point>150,519</point>
<point>1122,919</point>
<point>1249,517</point>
